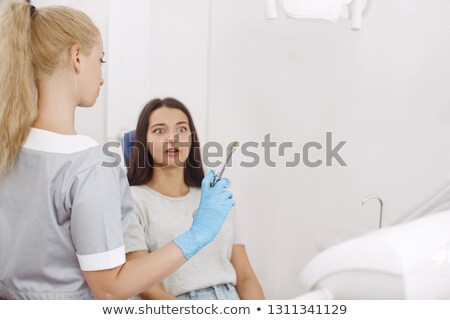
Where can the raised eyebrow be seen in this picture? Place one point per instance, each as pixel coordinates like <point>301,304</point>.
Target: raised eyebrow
<point>158,124</point>
<point>164,125</point>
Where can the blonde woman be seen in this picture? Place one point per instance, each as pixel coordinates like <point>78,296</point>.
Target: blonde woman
<point>62,213</point>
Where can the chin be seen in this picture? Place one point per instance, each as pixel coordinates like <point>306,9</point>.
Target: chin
<point>87,103</point>
<point>172,163</point>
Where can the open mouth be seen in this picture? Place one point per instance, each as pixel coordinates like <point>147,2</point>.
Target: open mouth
<point>172,151</point>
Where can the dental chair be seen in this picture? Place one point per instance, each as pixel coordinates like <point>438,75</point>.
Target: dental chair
<point>405,261</point>
<point>127,145</point>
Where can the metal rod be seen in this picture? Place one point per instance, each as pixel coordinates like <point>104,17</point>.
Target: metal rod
<point>373,196</point>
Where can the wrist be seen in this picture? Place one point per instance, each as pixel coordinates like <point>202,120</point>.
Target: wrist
<point>188,244</point>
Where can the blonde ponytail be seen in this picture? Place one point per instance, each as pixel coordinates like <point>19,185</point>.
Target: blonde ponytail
<point>18,92</point>
<point>32,46</point>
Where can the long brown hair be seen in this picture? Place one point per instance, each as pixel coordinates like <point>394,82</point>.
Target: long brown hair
<point>140,169</point>
<point>31,44</point>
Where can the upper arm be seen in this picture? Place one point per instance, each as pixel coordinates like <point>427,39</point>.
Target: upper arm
<point>135,235</point>
<point>241,263</point>
<point>100,207</point>
<point>101,282</point>
<point>99,214</point>
<point>238,235</point>
<point>136,254</point>
<point>239,257</point>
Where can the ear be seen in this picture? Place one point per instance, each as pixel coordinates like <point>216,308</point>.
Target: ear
<point>75,57</point>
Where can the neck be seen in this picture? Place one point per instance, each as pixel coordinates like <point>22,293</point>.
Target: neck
<point>56,108</point>
<point>169,182</point>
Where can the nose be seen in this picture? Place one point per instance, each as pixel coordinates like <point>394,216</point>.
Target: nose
<point>102,82</point>
<point>173,138</point>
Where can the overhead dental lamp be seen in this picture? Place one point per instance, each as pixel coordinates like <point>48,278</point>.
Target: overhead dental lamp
<point>405,261</point>
<point>325,10</point>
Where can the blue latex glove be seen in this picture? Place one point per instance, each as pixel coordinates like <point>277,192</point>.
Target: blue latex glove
<point>215,204</point>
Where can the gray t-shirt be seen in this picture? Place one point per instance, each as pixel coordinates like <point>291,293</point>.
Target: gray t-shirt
<point>61,212</point>
<point>160,219</point>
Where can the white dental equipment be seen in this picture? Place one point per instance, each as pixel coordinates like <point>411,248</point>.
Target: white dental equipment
<point>406,261</point>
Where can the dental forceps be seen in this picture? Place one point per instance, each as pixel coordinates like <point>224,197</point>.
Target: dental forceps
<point>218,177</point>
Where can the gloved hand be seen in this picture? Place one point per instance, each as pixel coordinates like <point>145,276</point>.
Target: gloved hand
<point>215,204</point>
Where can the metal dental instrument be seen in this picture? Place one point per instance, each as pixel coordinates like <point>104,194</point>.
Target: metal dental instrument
<point>218,177</point>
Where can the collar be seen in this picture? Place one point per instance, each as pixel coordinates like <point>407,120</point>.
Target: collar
<point>48,141</point>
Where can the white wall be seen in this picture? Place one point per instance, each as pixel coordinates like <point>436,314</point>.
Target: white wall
<point>179,55</point>
<point>157,51</point>
<point>129,64</point>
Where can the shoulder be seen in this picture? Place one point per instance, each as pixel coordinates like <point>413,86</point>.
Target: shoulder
<point>196,192</point>
<point>91,169</point>
<point>94,159</point>
<point>138,192</point>
<point>194,196</point>
<point>143,199</point>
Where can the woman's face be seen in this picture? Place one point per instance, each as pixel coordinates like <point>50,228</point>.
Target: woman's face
<point>90,76</point>
<point>169,137</point>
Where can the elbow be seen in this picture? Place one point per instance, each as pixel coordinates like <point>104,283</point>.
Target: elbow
<point>106,285</point>
<point>108,295</point>
<point>103,296</point>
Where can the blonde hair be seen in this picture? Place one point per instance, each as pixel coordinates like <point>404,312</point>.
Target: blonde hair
<point>31,47</point>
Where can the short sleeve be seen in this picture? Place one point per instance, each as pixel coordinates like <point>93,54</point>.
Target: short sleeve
<point>238,236</point>
<point>101,206</point>
<point>135,234</point>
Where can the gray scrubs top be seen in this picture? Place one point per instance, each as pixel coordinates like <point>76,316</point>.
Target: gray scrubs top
<point>61,212</point>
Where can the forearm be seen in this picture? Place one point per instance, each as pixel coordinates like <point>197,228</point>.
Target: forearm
<point>137,275</point>
<point>249,289</point>
<point>142,273</point>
